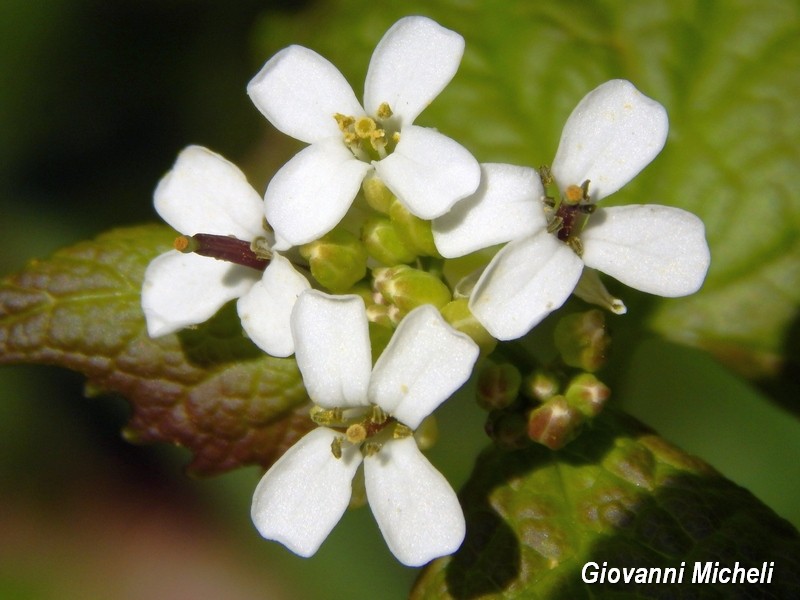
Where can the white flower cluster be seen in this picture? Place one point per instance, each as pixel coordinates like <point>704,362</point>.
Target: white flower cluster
<point>241,246</point>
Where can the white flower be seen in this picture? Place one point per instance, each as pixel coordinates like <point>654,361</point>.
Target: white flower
<point>306,97</point>
<point>305,493</point>
<point>613,133</point>
<point>204,193</point>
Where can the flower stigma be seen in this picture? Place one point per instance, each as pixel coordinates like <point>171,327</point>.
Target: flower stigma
<point>368,427</point>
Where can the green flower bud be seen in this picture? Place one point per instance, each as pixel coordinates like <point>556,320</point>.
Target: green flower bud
<point>383,242</point>
<point>554,423</point>
<point>377,194</point>
<point>498,385</point>
<point>541,385</point>
<point>408,288</point>
<point>415,232</point>
<point>457,313</point>
<point>337,260</point>
<point>588,394</point>
<point>582,340</point>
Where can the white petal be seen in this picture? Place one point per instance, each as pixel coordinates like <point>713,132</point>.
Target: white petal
<point>204,193</point>
<point>299,92</point>
<point>411,65</point>
<point>613,133</point>
<point>656,249</point>
<point>507,206</point>
<point>266,309</point>
<point>416,509</point>
<point>527,280</point>
<point>429,172</point>
<point>302,497</point>
<point>186,289</point>
<point>425,362</point>
<point>311,193</point>
<point>332,348</point>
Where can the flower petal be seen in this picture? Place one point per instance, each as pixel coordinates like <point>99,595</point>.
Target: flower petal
<point>506,206</point>
<point>186,289</point>
<point>204,193</point>
<point>410,66</point>
<point>302,497</point>
<point>416,509</point>
<point>332,348</point>
<point>299,92</point>
<point>424,363</point>
<point>613,133</point>
<point>527,280</point>
<point>311,193</point>
<point>429,172</point>
<point>266,309</point>
<point>656,249</point>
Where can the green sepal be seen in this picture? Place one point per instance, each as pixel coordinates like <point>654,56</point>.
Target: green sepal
<point>416,233</point>
<point>383,242</point>
<point>337,260</point>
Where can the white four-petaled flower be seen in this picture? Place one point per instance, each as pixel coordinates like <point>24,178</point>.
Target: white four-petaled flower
<point>613,133</point>
<point>305,493</point>
<point>204,193</point>
<point>306,97</point>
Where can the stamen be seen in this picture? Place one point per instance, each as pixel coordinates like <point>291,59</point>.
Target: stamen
<point>336,447</point>
<point>326,416</point>
<point>221,247</point>
<point>384,112</point>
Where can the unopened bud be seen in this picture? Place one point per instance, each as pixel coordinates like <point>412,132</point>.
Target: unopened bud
<point>498,385</point>
<point>554,423</point>
<point>582,340</point>
<point>458,315</point>
<point>377,194</point>
<point>542,385</point>
<point>415,232</point>
<point>587,393</point>
<point>507,428</point>
<point>383,243</point>
<point>337,260</point>
<point>408,288</point>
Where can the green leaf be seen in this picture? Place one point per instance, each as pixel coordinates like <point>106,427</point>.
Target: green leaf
<point>210,389</point>
<point>727,73</point>
<point>621,495</point>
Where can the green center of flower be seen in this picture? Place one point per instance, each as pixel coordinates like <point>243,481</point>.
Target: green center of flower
<point>369,138</point>
<point>368,427</point>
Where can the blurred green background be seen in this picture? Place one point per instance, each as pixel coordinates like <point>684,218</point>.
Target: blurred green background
<point>96,100</point>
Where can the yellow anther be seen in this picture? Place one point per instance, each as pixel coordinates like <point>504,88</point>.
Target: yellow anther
<point>378,416</point>
<point>401,431</point>
<point>371,448</point>
<point>336,447</point>
<point>343,121</point>
<point>325,416</point>
<point>384,112</point>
